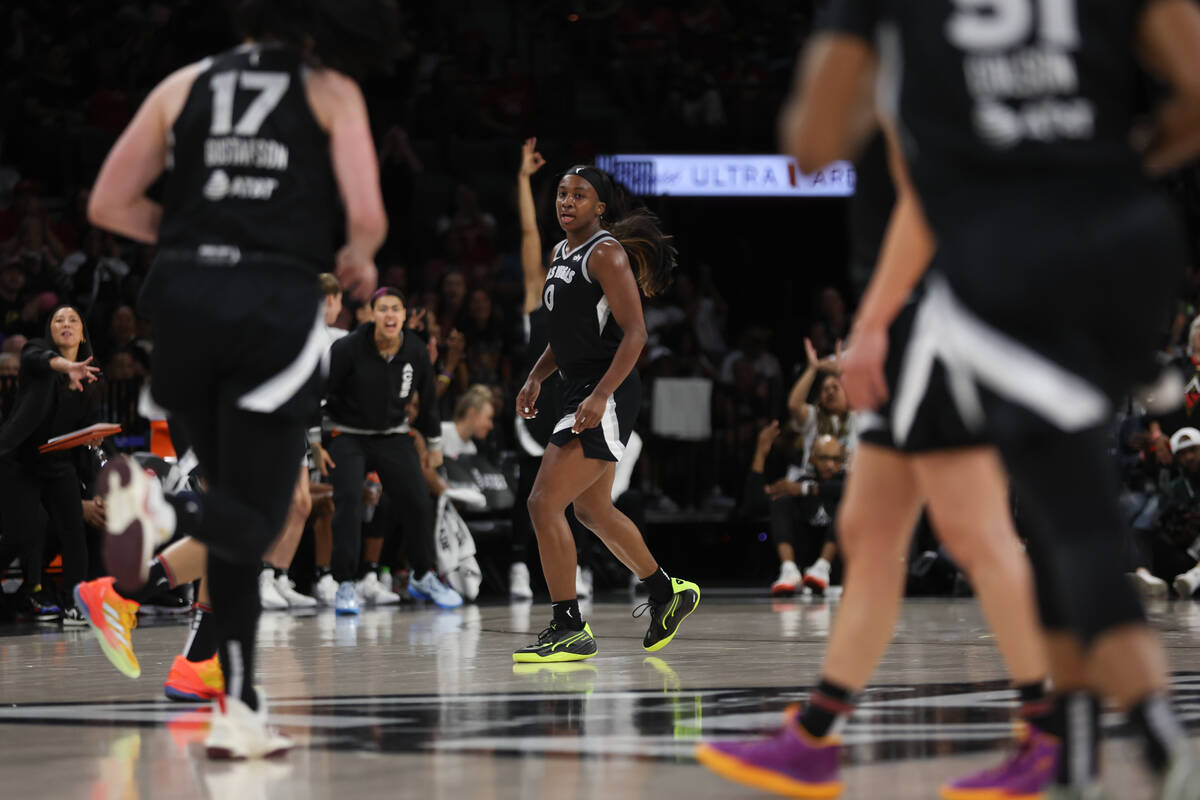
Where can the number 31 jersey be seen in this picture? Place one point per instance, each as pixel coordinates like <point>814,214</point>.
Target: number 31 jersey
<point>249,169</point>
<point>996,98</point>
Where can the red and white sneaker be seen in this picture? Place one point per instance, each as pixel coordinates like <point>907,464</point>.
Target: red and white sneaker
<point>789,578</point>
<point>816,577</point>
<point>239,732</point>
<point>138,519</point>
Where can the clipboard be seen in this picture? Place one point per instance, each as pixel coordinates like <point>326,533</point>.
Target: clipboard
<point>80,437</point>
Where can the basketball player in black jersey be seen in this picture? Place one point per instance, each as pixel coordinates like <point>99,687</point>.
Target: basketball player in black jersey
<point>1015,117</point>
<point>596,333</point>
<point>257,143</point>
<point>533,434</point>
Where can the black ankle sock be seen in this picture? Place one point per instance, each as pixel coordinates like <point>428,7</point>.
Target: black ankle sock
<point>233,588</point>
<point>1078,713</point>
<point>826,705</point>
<point>279,572</point>
<point>1156,723</point>
<point>159,580</point>
<point>566,615</point>
<point>202,641</point>
<point>659,586</point>
<point>1036,704</point>
<point>321,572</point>
<point>371,566</point>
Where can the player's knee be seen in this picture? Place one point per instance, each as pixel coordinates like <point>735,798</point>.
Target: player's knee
<point>590,517</point>
<point>541,505</point>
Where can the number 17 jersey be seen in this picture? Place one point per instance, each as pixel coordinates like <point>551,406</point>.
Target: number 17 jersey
<point>248,170</point>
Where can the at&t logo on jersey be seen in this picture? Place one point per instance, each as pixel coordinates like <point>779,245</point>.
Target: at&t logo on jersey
<point>221,186</point>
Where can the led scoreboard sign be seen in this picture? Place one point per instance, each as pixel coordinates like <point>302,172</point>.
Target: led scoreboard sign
<point>726,176</point>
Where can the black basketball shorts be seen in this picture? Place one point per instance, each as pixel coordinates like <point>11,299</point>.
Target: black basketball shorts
<point>607,440</point>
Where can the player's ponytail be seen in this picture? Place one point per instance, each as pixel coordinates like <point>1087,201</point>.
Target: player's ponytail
<point>651,252</point>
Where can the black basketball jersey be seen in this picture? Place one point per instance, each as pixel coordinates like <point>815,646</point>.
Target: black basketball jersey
<point>999,100</point>
<point>582,332</point>
<point>249,170</point>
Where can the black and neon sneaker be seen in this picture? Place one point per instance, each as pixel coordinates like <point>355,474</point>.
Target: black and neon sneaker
<point>556,644</point>
<point>665,618</point>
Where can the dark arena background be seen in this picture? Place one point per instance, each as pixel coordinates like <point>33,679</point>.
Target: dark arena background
<point>680,101</point>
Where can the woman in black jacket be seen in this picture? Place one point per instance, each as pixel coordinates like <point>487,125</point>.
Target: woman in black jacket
<point>58,393</point>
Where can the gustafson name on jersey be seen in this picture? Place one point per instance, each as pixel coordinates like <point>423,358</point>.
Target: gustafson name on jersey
<point>235,151</point>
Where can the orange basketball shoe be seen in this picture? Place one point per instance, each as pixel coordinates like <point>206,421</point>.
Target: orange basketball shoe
<point>112,619</point>
<point>194,681</point>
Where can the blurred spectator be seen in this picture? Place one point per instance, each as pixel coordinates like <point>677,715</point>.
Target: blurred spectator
<point>706,310</point>
<point>38,256</point>
<point>14,344</point>
<point>468,231</point>
<point>473,415</point>
<point>483,326</point>
<point>1176,550</point>
<point>331,292</point>
<point>93,274</point>
<point>13,297</point>
<point>831,414</point>
<point>451,302</point>
<point>802,506</point>
<point>833,323</point>
<point>123,336</point>
<point>753,350</point>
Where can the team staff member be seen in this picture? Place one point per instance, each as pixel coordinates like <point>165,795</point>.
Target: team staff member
<point>57,394</point>
<point>373,373</point>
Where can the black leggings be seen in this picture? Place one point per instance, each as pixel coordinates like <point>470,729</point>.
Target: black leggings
<point>395,458</point>
<point>249,462</point>
<point>49,483</point>
<point>1067,487</point>
<point>791,524</point>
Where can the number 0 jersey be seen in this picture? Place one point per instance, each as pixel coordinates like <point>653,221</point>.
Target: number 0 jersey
<point>1004,101</point>
<point>249,170</point>
<point>582,332</point>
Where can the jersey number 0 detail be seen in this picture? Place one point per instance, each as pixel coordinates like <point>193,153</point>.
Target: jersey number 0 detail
<point>271,86</point>
<point>548,298</point>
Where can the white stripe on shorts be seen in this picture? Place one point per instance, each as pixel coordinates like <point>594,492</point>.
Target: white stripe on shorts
<point>269,396</point>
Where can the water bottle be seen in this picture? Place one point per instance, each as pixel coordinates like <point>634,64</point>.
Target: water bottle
<point>374,491</point>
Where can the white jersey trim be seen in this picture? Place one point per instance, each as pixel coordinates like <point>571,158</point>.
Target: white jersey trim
<point>608,426</point>
<point>975,353</point>
<point>270,395</point>
<point>526,440</point>
<point>603,312</point>
<point>587,275</point>
<point>612,435</point>
<point>564,252</point>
